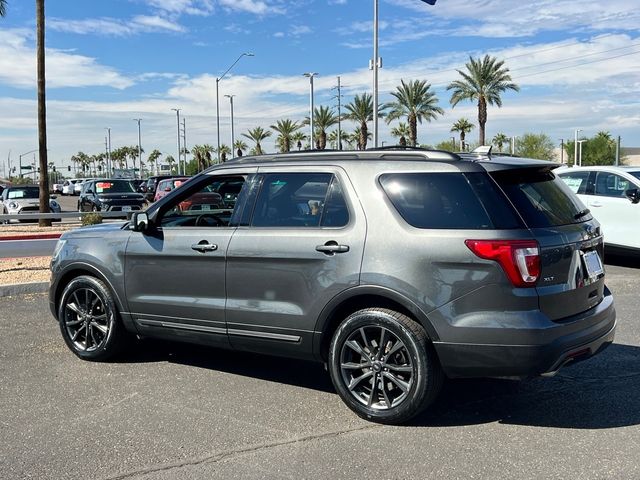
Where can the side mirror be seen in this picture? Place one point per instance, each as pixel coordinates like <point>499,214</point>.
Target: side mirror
<point>140,222</point>
<point>633,194</point>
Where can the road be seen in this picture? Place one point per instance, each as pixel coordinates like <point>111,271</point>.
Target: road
<point>169,411</point>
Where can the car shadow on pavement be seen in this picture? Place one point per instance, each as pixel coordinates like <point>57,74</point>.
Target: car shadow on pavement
<point>299,373</point>
<point>601,392</point>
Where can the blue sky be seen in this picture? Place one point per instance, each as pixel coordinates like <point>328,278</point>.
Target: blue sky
<point>577,63</point>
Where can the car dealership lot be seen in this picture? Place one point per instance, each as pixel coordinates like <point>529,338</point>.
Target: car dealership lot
<point>176,411</point>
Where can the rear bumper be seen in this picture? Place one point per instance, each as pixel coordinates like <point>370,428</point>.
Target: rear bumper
<point>501,360</point>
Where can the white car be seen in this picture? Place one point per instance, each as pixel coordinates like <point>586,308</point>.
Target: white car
<point>613,196</point>
<point>68,186</point>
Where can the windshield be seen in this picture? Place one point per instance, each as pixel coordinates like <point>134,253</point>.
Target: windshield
<point>26,192</point>
<point>114,186</point>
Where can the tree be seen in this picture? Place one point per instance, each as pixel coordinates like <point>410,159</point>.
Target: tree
<point>415,101</point>
<point>598,150</point>
<point>224,152</point>
<point>360,110</point>
<point>42,114</point>
<point>401,132</point>
<point>257,135</point>
<point>297,138</point>
<point>499,140</point>
<point>285,129</point>
<point>483,82</point>
<point>3,8</point>
<point>323,118</point>
<point>170,160</point>
<point>462,126</point>
<point>538,146</point>
<point>332,138</point>
<point>239,146</point>
<point>153,159</point>
<point>357,138</point>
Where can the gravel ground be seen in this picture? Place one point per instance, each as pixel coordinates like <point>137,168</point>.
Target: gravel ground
<point>24,270</point>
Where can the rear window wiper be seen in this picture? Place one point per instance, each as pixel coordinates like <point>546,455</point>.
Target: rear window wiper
<point>582,213</point>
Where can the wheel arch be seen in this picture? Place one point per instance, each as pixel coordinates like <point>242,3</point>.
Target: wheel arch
<point>357,298</point>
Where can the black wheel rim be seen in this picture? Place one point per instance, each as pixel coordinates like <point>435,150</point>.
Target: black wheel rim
<point>86,320</point>
<point>376,368</point>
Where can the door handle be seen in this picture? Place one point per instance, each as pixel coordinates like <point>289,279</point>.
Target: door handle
<point>203,246</point>
<point>331,248</point>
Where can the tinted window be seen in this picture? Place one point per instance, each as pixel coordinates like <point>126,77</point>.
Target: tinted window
<point>611,185</point>
<point>635,174</point>
<point>576,181</point>
<point>335,212</point>
<point>448,200</point>
<point>541,198</point>
<point>291,200</point>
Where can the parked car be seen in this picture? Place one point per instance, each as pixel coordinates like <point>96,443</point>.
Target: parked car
<point>57,188</point>
<point>68,187</point>
<point>109,195</point>
<point>168,185</point>
<point>612,194</point>
<point>394,268</point>
<point>22,199</point>
<point>77,187</point>
<point>152,184</point>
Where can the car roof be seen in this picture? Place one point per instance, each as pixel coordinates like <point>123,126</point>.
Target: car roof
<point>612,168</point>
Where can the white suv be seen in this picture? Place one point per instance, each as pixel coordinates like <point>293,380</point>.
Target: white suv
<point>613,196</point>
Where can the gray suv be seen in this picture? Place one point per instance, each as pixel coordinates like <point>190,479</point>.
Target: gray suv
<point>394,267</point>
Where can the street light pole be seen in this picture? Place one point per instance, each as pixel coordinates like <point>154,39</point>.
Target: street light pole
<point>139,148</point>
<point>575,148</point>
<point>310,76</point>
<point>177,110</point>
<point>246,54</point>
<point>375,65</point>
<point>184,144</point>
<point>20,160</point>
<point>580,151</point>
<point>233,138</point>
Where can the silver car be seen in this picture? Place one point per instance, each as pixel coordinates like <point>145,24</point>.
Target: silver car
<point>394,268</point>
<point>18,200</point>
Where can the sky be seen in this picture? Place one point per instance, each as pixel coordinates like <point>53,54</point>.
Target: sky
<point>577,64</point>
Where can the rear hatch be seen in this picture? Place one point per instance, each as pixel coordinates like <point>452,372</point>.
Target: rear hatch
<point>571,277</point>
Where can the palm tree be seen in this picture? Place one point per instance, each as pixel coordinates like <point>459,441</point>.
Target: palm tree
<point>332,138</point>
<point>170,160</point>
<point>415,101</point>
<point>297,138</point>
<point>285,129</point>
<point>223,152</point>
<point>153,158</point>
<point>239,146</point>
<point>323,118</point>
<point>357,136</point>
<point>3,8</point>
<point>401,132</point>
<point>463,126</point>
<point>42,113</point>
<point>484,81</point>
<point>257,135</point>
<point>499,140</point>
<point>360,110</point>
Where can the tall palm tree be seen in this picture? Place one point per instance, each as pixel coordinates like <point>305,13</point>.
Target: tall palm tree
<point>360,110</point>
<point>357,136</point>
<point>323,118</point>
<point>401,132</point>
<point>3,8</point>
<point>153,159</point>
<point>257,135</point>
<point>42,114</point>
<point>239,146</point>
<point>462,126</point>
<point>297,139</point>
<point>483,82</point>
<point>499,140</point>
<point>285,129</point>
<point>417,102</point>
<point>170,160</point>
<point>224,152</point>
<point>332,138</point>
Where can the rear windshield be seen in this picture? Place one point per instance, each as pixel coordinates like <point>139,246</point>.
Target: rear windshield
<point>449,201</point>
<point>541,198</point>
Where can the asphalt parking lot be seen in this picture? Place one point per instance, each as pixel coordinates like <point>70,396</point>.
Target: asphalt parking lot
<point>170,411</point>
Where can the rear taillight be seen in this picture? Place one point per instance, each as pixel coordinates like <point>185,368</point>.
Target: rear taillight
<point>520,259</point>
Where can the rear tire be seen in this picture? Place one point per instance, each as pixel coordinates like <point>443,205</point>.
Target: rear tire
<point>89,320</point>
<point>383,367</point>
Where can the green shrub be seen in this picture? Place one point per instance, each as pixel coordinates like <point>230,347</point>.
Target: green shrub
<point>91,219</point>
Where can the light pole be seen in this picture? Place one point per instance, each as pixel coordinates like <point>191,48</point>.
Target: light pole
<point>20,160</point>
<point>233,138</point>
<point>575,147</point>
<point>580,151</point>
<point>246,54</point>
<point>139,148</point>
<point>177,110</point>
<point>561,151</point>
<point>109,161</point>
<point>375,65</point>
<point>310,76</point>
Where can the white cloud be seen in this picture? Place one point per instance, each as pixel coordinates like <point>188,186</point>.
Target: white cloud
<point>115,27</point>
<point>18,66</point>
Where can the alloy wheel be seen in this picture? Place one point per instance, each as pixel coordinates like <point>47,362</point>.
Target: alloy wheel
<point>86,320</point>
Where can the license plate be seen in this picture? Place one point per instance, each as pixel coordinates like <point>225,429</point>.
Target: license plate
<point>593,264</point>
<point>126,208</point>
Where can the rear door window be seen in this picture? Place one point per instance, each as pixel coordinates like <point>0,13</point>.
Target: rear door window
<point>449,201</point>
<point>576,181</point>
<point>541,198</point>
<point>611,185</point>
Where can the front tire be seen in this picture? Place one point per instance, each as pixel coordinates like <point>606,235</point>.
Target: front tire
<point>89,320</point>
<point>383,367</point>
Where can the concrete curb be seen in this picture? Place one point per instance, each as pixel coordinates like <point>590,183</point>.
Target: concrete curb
<point>23,288</point>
